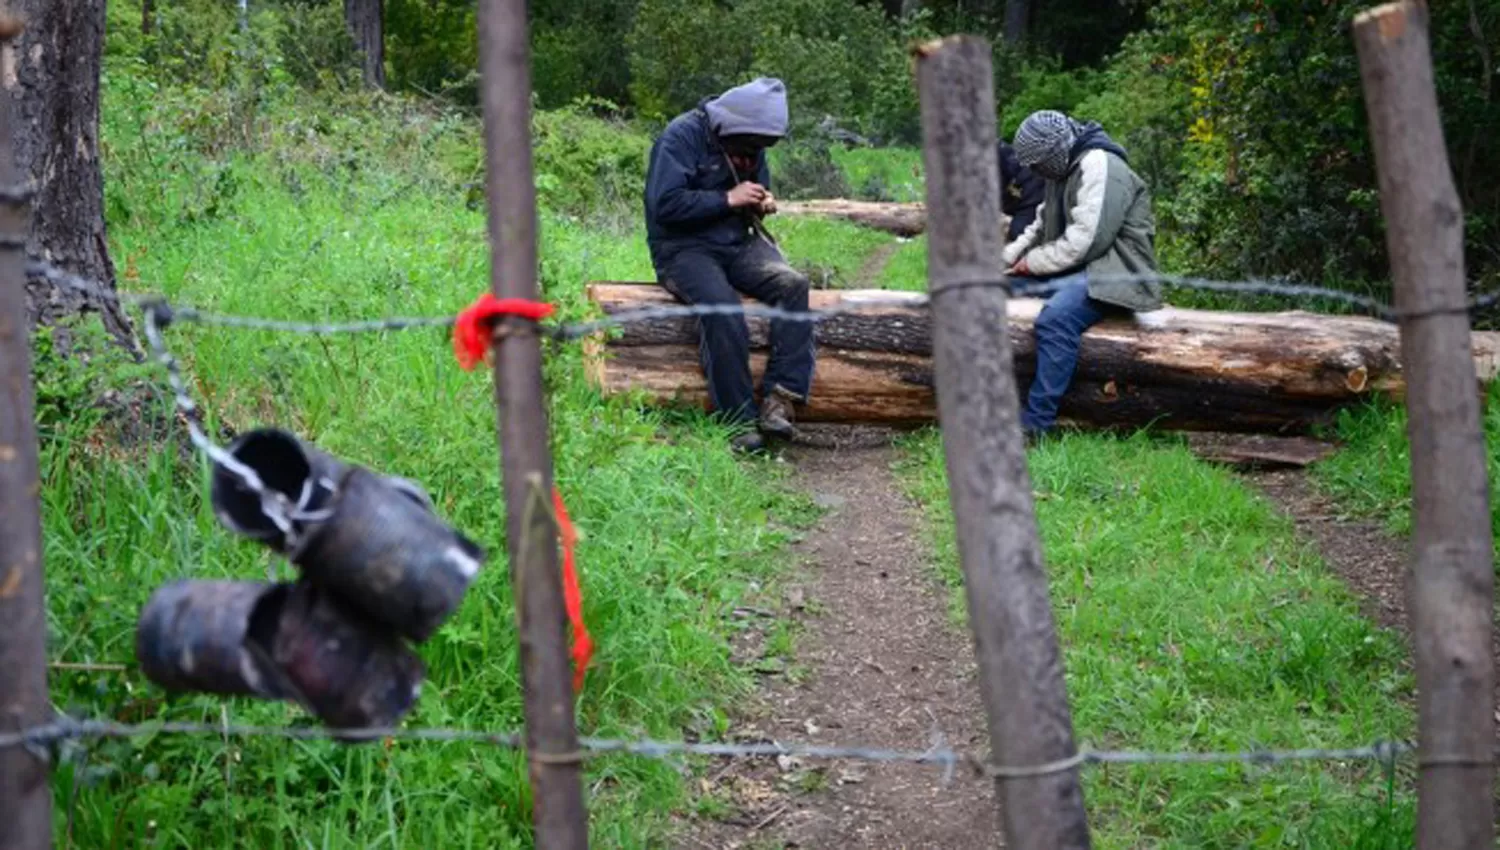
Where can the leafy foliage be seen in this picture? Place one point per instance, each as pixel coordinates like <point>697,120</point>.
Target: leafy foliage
<point>1245,116</point>
<point>589,159</point>
<point>838,58</point>
<point>807,169</point>
<point>1265,166</point>
<point>431,47</point>
<point>680,52</point>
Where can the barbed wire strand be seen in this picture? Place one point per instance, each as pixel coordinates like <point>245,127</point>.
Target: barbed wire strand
<point>1017,287</point>
<point>62,730</point>
<point>159,314</point>
<point>274,504</point>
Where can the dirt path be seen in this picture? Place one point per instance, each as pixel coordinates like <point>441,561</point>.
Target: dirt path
<point>1369,559</point>
<point>868,276</point>
<point>884,666</point>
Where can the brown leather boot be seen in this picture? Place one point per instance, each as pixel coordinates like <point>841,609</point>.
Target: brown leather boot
<point>776,415</point>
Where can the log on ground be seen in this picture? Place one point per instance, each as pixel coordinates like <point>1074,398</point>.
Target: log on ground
<point>1257,452</point>
<point>1177,369</point>
<point>900,219</point>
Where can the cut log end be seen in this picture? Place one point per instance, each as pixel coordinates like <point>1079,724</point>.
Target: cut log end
<point>1357,380</point>
<point>1389,18</point>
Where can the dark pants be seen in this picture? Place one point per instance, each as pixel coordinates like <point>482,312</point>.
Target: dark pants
<point>1059,333</point>
<point>718,275</point>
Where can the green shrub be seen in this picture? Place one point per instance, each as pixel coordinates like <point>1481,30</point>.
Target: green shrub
<point>201,43</point>
<point>805,168</point>
<point>682,51</point>
<point>838,58</point>
<point>431,47</point>
<point>315,46</point>
<point>589,161</point>
<point>577,50</point>
<point>1040,83</point>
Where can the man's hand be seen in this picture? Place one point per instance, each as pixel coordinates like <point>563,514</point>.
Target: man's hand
<point>768,204</point>
<point>747,194</point>
<point>1020,268</point>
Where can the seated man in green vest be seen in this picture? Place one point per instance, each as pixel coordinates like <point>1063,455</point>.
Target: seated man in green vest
<point>1093,232</point>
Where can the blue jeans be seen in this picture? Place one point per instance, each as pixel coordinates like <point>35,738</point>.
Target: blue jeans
<point>1059,332</point>
<point>719,275</point>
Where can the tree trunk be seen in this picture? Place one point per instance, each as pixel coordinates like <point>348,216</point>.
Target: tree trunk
<point>55,86</point>
<point>1017,21</point>
<point>148,8</point>
<point>901,219</point>
<point>365,21</point>
<point>1185,370</point>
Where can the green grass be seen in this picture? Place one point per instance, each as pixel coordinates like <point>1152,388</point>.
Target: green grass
<point>907,268</point>
<point>1192,618</point>
<point>829,252</point>
<point>891,174</point>
<point>358,215</point>
<point>1371,474</point>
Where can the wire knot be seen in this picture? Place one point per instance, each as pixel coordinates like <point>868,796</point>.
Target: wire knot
<point>159,311</point>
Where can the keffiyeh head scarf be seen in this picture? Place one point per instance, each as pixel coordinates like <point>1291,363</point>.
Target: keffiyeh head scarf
<point>1044,143</point>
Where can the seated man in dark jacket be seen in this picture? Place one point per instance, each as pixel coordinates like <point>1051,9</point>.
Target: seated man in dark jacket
<point>707,186</point>
<point>1020,192</point>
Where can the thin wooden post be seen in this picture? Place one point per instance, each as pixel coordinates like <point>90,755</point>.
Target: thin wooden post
<point>1451,585</point>
<point>559,816</point>
<point>25,793</point>
<point>1005,582</point>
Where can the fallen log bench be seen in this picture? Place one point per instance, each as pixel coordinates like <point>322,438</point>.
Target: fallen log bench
<point>1187,370</point>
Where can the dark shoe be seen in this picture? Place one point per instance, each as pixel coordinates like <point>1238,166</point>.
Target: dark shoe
<point>776,416</point>
<point>750,442</point>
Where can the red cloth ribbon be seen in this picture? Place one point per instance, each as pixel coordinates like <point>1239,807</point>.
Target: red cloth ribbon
<point>473,330</point>
<point>583,645</point>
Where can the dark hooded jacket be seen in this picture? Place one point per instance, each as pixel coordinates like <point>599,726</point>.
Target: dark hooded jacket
<point>689,176</point>
<point>1021,191</point>
<point>1092,138</point>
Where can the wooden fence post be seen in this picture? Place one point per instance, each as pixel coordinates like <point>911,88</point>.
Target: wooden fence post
<point>1451,585</point>
<point>560,818</point>
<point>1020,664</point>
<point>25,792</point>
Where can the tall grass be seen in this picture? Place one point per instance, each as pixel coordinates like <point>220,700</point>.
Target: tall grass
<point>1191,618</point>
<point>1372,473</point>
<point>356,209</point>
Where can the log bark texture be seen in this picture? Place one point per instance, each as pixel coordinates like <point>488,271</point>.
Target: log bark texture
<point>900,219</point>
<point>1259,451</point>
<point>52,77</point>
<point>1190,370</point>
